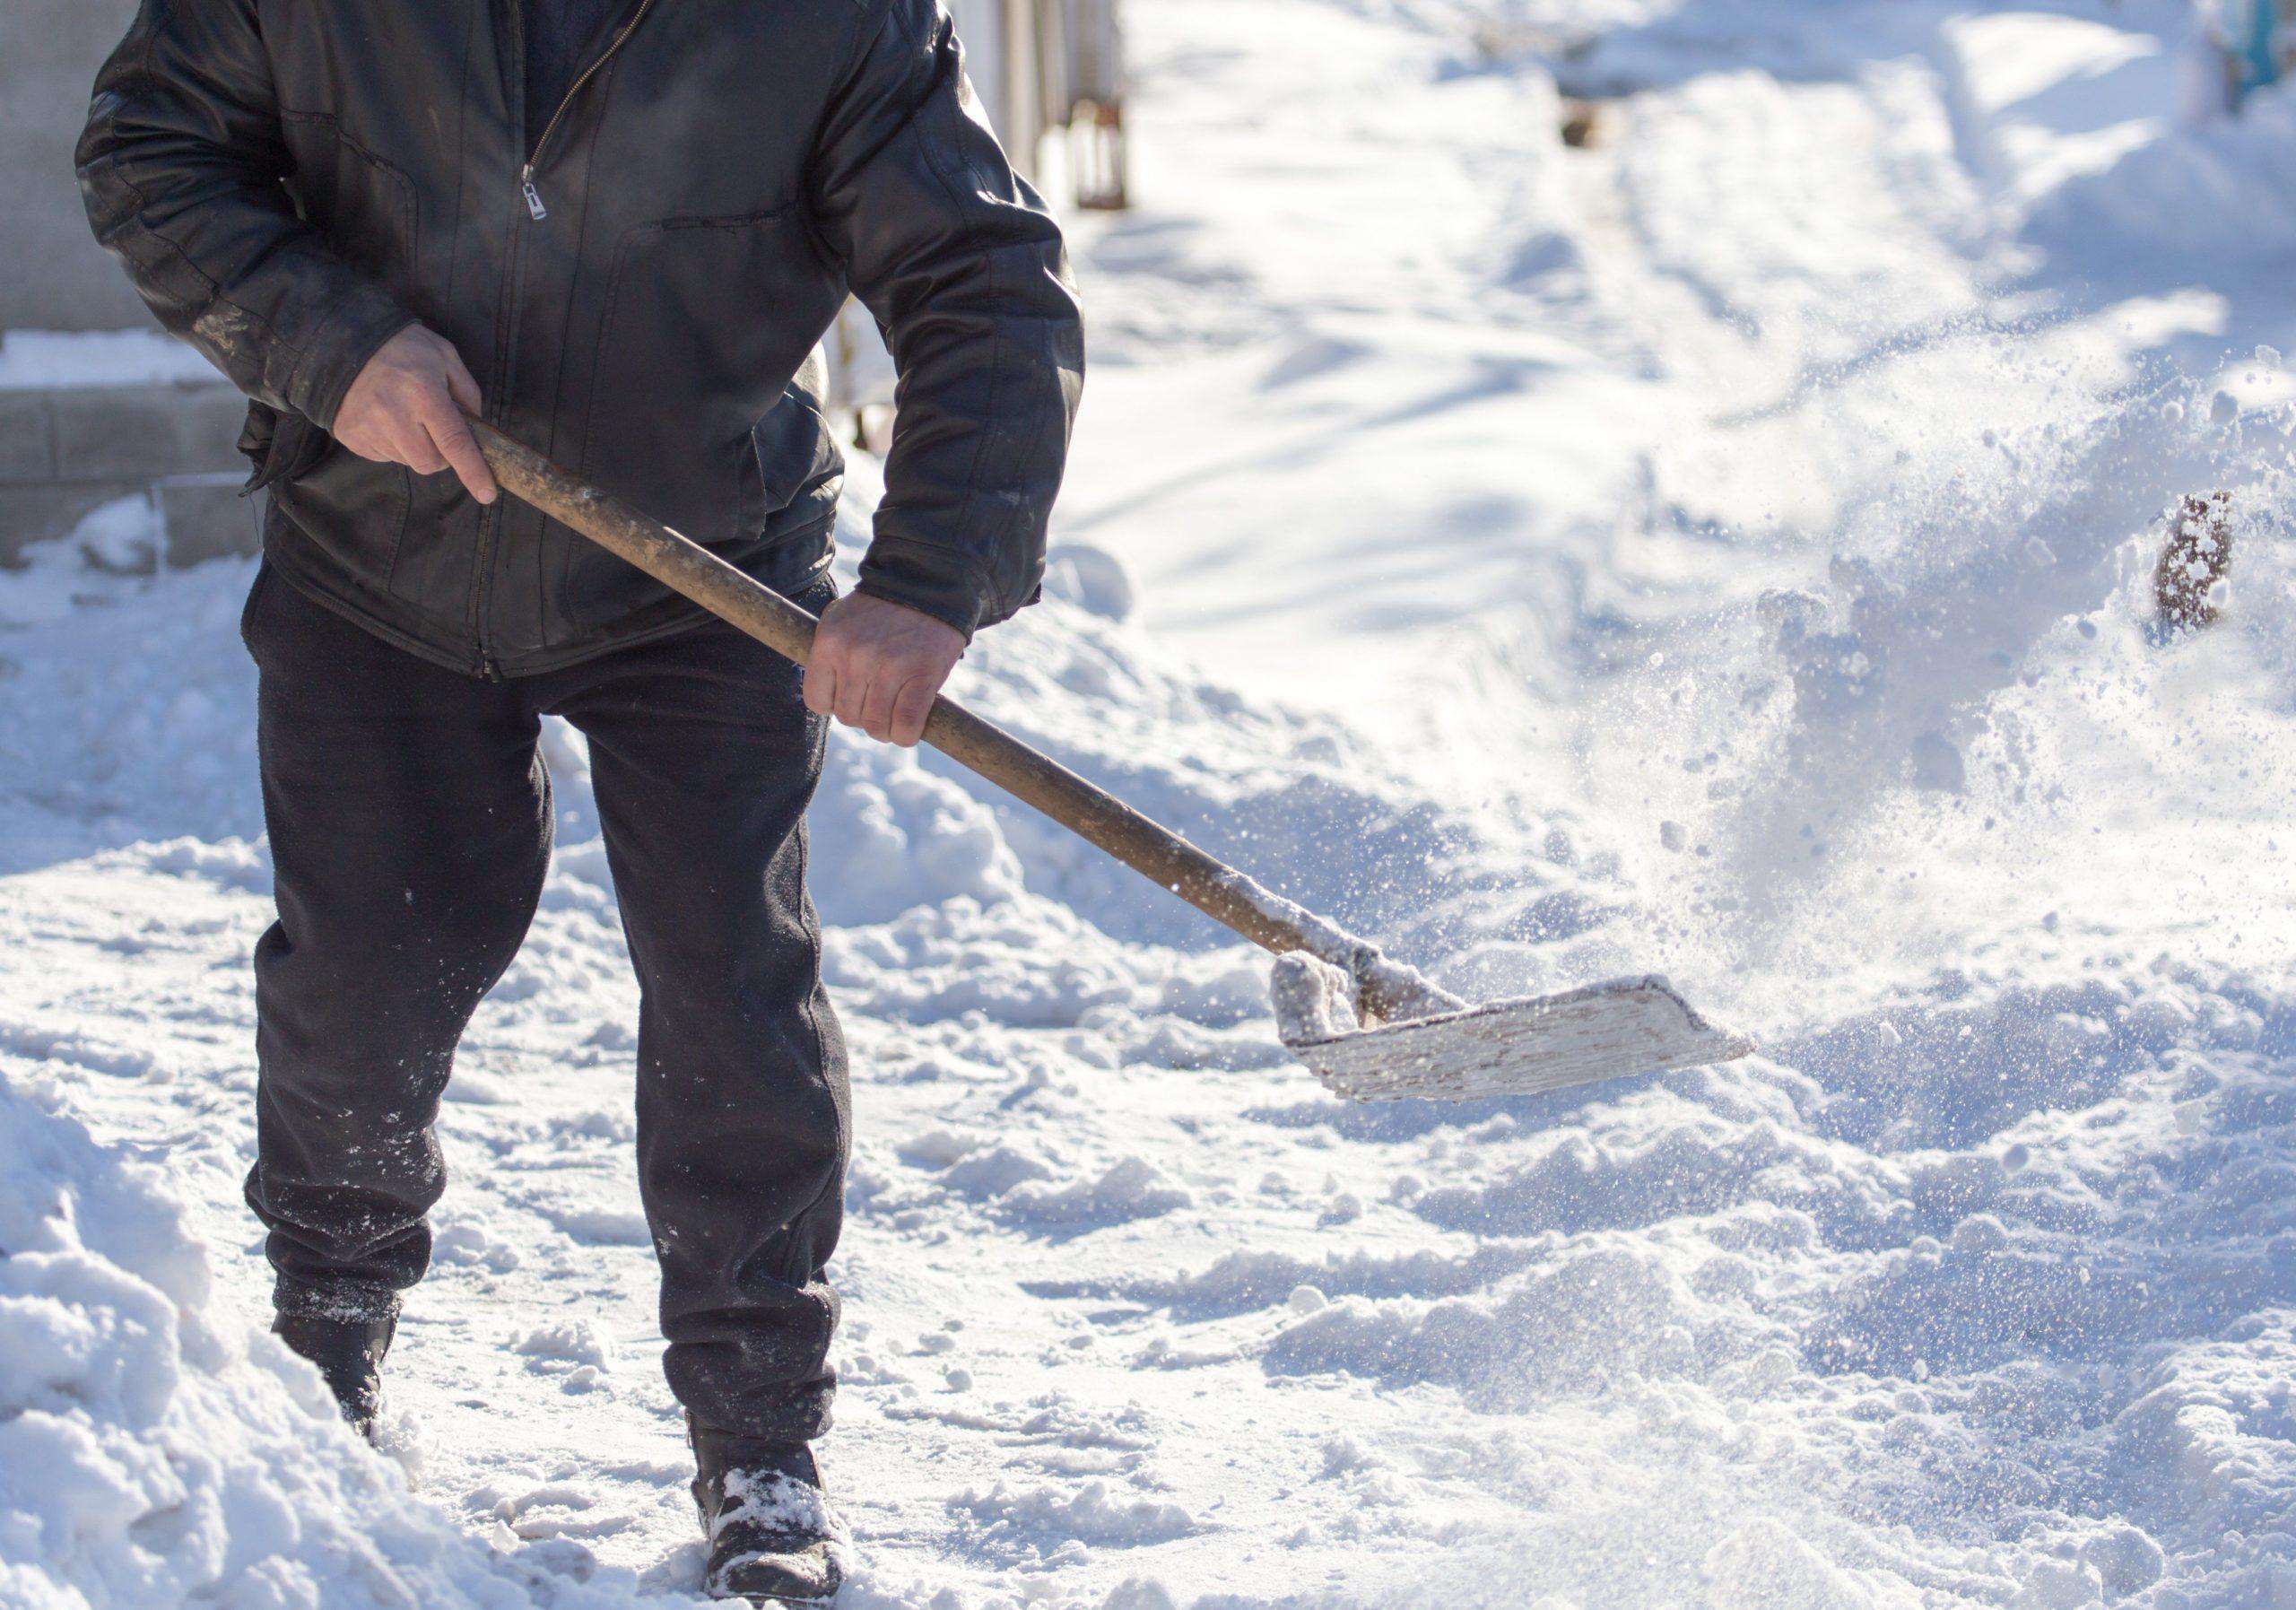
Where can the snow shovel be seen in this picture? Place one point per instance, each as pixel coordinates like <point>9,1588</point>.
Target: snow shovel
<point>1370,1028</point>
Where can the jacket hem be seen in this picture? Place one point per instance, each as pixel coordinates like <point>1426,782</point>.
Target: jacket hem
<point>467,662</point>
<point>371,622</point>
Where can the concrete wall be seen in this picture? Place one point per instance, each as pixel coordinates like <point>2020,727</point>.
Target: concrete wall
<point>68,448</point>
<point>52,275</point>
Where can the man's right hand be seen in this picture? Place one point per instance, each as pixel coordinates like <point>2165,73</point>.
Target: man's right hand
<point>407,406</point>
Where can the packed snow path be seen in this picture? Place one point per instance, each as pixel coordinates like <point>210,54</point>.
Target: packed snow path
<point>1759,499</point>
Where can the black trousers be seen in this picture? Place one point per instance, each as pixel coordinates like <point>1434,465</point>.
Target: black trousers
<point>410,822</point>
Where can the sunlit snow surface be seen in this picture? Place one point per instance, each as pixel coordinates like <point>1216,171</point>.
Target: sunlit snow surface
<point>1723,550</point>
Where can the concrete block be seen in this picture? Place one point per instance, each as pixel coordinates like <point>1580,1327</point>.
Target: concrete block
<point>208,519</point>
<point>27,438</point>
<point>38,513</point>
<point>105,432</point>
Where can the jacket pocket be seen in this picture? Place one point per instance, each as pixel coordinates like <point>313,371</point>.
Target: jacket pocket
<point>365,205</point>
<point>354,510</point>
<point>279,446</point>
<point>790,449</point>
<point>690,412</point>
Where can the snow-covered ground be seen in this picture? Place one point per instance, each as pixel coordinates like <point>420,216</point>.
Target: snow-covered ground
<point>1724,549</point>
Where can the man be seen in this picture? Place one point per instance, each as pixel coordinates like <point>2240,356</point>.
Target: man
<point>617,229</point>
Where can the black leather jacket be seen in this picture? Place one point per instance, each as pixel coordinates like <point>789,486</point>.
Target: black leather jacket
<point>292,182</point>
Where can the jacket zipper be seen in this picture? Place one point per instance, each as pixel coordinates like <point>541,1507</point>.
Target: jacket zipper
<point>535,208</point>
<point>489,520</point>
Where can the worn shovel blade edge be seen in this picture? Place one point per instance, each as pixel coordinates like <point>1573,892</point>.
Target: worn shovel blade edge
<point>1524,1046</point>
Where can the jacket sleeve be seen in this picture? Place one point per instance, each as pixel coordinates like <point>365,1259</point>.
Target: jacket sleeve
<point>963,268</point>
<point>180,167</point>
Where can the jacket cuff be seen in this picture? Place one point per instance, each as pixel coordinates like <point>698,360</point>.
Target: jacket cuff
<point>932,580</point>
<point>325,372</point>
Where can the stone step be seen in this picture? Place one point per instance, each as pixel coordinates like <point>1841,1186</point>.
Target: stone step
<point>206,517</point>
<point>67,433</point>
<point>67,450</point>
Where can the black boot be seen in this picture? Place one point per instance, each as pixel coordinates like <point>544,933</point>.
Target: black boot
<point>349,1353</point>
<point>772,1537</point>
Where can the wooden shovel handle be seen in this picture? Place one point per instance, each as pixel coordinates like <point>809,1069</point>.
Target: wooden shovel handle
<point>1218,891</point>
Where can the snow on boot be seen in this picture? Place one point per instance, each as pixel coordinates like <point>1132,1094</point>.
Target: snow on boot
<point>773,1538</point>
<point>349,1353</point>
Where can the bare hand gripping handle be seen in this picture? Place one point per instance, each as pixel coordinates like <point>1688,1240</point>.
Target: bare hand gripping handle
<point>1386,989</point>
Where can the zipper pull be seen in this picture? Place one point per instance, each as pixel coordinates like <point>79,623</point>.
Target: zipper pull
<point>532,195</point>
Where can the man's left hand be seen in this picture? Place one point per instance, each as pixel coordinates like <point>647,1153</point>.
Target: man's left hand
<point>878,666</point>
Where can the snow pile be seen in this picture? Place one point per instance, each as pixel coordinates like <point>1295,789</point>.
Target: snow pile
<point>889,835</point>
<point>2218,194</point>
<point>151,1455</point>
<point>166,715</point>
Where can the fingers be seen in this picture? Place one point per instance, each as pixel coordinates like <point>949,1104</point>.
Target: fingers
<point>890,703</point>
<point>820,682</point>
<point>852,692</point>
<point>406,406</point>
<point>455,445</point>
<point>873,669</point>
<point>410,444</point>
<point>375,437</point>
<point>911,708</point>
<point>850,687</point>
<point>470,464</point>
<point>877,706</point>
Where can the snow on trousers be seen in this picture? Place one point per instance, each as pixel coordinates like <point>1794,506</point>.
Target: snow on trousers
<point>410,818</point>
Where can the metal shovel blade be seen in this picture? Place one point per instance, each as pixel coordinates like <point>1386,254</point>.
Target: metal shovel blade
<point>1522,1046</point>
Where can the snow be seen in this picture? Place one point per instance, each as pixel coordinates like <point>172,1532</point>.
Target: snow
<point>780,1504</point>
<point>1725,550</point>
<point>43,359</point>
<point>150,1456</point>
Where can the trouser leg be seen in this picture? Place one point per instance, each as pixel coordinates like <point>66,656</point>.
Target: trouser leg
<point>410,825</point>
<point>704,758</point>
